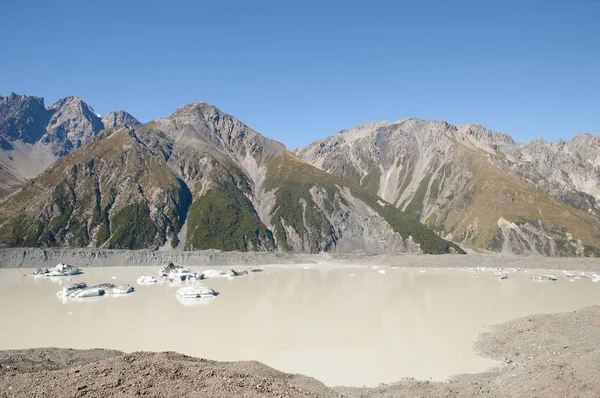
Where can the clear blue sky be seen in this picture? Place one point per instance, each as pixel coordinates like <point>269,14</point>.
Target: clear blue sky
<point>301,70</point>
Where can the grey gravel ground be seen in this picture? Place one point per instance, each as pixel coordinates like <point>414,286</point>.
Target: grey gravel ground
<point>45,258</point>
<point>554,355</point>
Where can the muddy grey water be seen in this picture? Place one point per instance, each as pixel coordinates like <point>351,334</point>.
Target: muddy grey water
<point>342,325</point>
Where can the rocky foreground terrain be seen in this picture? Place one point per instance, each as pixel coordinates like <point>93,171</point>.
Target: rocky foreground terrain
<point>542,356</point>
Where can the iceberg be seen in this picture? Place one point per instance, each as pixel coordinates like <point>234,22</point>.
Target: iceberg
<point>544,278</point>
<point>147,280</point>
<point>173,269</point>
<point>197,292</point>
<point>213,273</point>
<point>81,290</point>
<point>176,273</point>
<point>60,270</point>
<point>109,288</point>
<point>70,288</point>
<point>572,275</point>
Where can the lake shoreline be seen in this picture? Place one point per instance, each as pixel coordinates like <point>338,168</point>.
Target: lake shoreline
<point>552,355</point>
<point>45,258</point>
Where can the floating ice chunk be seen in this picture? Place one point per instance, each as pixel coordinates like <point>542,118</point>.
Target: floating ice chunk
<point>381,271</point>
<point>595,278</point>
<point>173,269</point>
<point>575,275</point>
<point>147,280</point>
<point>60,270</point>
<point>213,273</point>
<point>66,290</point>
<point>81,290</point>
<point>197,292</point>
<point>544,278</point>
<point>87,292</point>
<point>239,272</point>
<point>109,288</point>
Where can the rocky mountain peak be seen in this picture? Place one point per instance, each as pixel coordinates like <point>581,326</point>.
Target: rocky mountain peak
<point>119,118</point>
<point>486,136</point>
<point>72,124</point>
<point>190,111</point>
<point>22,117</point>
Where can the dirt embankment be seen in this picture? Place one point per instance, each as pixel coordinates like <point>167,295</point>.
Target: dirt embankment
<point>544,356</point>
<point>44,258</point>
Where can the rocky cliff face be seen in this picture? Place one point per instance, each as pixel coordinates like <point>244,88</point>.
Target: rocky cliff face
<point>72,124</point>
<point>22,118</point>
<point>475,186</point>
<point>201,179</point>
<point>119,118</point>
<point>33,136</point>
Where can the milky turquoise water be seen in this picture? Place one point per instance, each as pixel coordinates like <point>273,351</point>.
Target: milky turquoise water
<point>346,325</point>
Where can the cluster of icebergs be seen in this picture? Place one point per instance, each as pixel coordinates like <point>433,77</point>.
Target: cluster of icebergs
<point>570,275</point>
<point>81,290</point>
<point>178,273</point>
<point>502,273</point>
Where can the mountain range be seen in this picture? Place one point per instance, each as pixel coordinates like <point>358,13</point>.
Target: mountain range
<point>198,179</point>
<point>201,179</point>
<point>474,186</point>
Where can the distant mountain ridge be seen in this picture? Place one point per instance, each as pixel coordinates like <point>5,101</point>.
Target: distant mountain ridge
<point>201,179</point>
<point>475,186</point>
<point>32,135</point>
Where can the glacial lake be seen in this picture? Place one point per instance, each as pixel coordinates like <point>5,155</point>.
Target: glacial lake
<point>344,325</point>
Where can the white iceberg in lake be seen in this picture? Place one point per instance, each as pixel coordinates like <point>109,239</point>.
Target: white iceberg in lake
<point>82,290</point>
<point>575,275</point>
<point>197,292</point>
<point>148,280</point>
<point>544,278</point>
<point>213,273</point>
<point>60,270</point>
<point>109,288</point>
<point>176,272</point>
<point>595,278</point>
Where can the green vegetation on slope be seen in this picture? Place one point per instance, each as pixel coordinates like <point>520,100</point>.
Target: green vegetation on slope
<point>407,225</point>
<point>132,228</point>
<point>294,178</point>
<point>294,205</point>
<point>225,219</point>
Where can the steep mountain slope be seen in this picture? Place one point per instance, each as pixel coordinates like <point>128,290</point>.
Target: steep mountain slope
<point>115,192</point>
<point>472,185</point>
<point>571,165</point>
<point>33,136</point>
<point>201,179</point>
